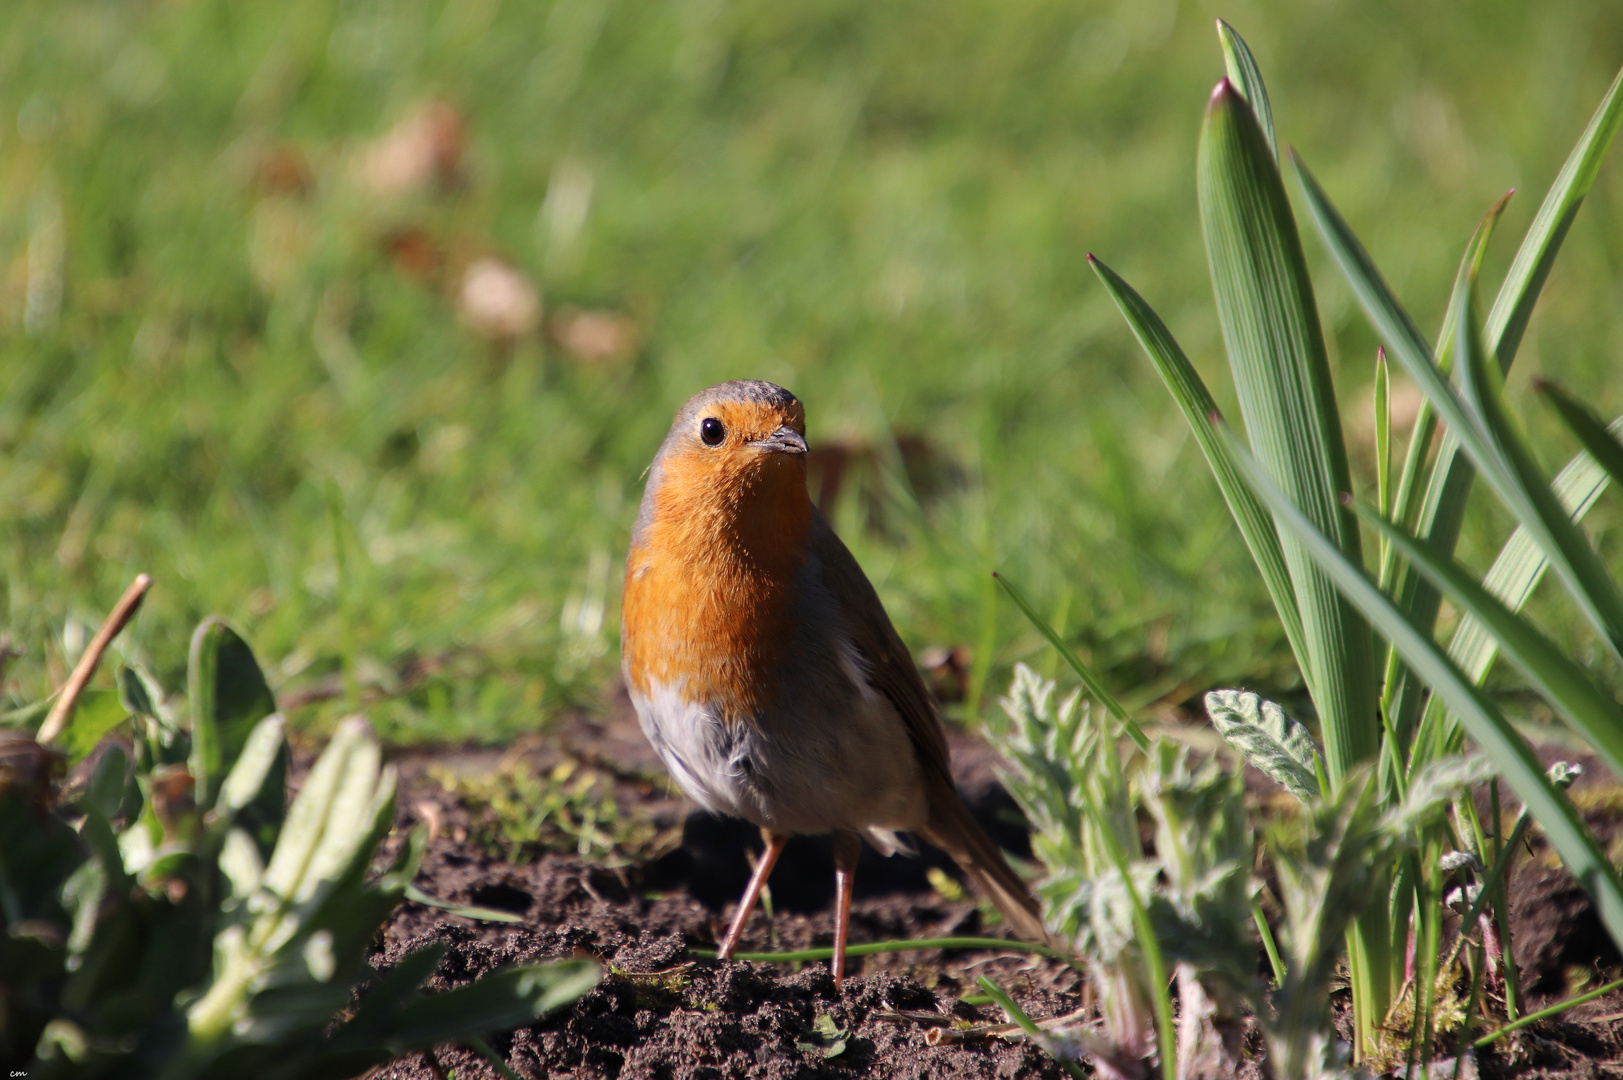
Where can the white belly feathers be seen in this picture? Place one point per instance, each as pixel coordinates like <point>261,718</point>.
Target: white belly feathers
<point>788,772</point>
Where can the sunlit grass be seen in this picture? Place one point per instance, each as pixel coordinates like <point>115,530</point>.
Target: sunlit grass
<point>885,207</point>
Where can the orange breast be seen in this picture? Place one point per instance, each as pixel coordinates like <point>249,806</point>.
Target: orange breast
<point>710,589</point>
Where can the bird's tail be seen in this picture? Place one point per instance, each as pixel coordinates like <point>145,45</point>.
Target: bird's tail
<point>955,831</point>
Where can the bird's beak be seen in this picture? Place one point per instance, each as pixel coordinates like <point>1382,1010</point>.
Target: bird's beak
<point>785,440</point>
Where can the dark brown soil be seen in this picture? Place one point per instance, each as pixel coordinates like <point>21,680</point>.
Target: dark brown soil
<point>661,1013</point>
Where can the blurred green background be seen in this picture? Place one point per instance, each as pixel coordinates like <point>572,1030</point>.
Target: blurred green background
<point>267,328</point>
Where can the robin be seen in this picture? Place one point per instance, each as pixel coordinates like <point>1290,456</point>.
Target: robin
<point>764,669</point>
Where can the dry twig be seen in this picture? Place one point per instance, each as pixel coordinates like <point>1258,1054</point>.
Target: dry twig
<point>117,619</point>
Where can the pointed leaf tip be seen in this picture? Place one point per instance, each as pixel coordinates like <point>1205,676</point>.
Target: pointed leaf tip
<point>1222,93</point>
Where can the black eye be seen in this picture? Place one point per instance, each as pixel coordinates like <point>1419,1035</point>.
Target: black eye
<point>711,431</point>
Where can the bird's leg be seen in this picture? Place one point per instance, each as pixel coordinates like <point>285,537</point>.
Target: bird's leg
<point>752,893</point>
<point>847,849</point>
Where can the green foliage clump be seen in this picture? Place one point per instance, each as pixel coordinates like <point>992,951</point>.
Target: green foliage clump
<point>1376,861</point>
<point>178,918</point>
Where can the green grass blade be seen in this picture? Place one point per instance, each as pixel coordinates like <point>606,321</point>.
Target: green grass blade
<point>1269,946</point>
<point>1563,683</point>
<point>1383,450</point>
<point>1276,349</point>
<point>1492,732</point>
<point>1554,1010</point>
<point>1602,444</point>
<point>1383,432</point>
<point>1520,484</point>
<point>482,914</point>
<point>1189,391</point>
<point>1247,79</point>
<point>1083,672</point>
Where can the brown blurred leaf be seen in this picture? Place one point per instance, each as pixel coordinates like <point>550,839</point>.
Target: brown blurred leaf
<point>421,152</point>
<point>413,253</point>
<point>498,301</point>
<point>946,671</point>
<point>596,336</point>
<point>282,170</point>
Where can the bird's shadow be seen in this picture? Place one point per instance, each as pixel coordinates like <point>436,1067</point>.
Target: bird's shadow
<point>712,864</point>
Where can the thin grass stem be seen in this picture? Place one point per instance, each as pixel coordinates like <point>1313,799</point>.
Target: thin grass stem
<point>1018,1015</point>
<point>1545,1014</point>
<point>874,948</point>
<point>1495,877</point>
<point>1464,1043</point>
<point>346,623</point>
<point>482,1048</point>
<point>1089,679</point>
<point>1160,991</point>
<point>1268,945</point>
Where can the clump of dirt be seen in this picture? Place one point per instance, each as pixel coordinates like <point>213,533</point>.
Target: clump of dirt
<point>661,1012</point>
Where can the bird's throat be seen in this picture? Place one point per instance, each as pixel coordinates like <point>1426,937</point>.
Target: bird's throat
<point>711,586</point>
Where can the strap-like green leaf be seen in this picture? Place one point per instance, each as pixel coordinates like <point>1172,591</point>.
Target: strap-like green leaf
<point>1518,481</point>
<point>1276,350</point>
<point>1269,739</point>
<point>1189,391</point>
<point>1513,306</point>
<point>1394,325</point>
<point>1520,564</point>
<point>254,793</point>
<point>1564,684</point>
<point>1492,732</point>
<point>1439,518</point>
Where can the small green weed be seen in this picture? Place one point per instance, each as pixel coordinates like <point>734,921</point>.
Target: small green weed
<point>826,1039</point>
<point>517,814</point>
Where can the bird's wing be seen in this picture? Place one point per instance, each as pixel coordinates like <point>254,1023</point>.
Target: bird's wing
<point>951,826</point>
<point>890,665</point>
